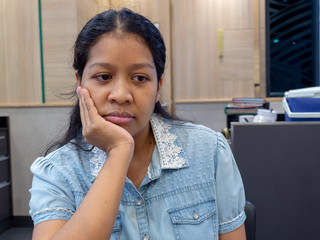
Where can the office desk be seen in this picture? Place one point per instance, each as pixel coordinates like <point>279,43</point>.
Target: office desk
<point>280,167</point>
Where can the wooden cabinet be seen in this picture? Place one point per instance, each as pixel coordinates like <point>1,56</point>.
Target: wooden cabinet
<point>196,69</point>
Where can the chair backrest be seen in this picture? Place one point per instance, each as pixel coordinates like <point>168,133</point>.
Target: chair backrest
<point>250,223</point>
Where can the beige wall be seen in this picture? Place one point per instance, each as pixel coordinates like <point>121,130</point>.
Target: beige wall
<point>31,129</point>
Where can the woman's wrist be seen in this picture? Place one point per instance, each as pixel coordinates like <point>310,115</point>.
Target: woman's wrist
<point>121,151</point>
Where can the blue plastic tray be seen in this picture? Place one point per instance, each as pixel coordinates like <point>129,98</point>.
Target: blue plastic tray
<point>304,104</point>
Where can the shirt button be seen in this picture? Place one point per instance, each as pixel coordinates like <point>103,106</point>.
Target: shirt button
<point>139,202</point>
<point>195,216</point>
<point>145,237</point>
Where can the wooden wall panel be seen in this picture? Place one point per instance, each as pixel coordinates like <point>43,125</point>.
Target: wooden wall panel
<point>59,27</point>
<point>194,49</point>
<point>20,79</point>
<point>236,14</point>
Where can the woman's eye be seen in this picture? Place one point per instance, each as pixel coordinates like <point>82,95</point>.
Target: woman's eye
<point>103,77</point>
<point>140,78</point>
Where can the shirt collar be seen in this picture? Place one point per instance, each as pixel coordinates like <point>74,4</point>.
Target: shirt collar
<point>168,154</point>
<point>169,146</point>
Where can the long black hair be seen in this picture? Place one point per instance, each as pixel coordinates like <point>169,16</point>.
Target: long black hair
<point>111,21</point>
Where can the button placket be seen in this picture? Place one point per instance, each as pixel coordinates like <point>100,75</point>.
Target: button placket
<point>142,218</point>
<point>145,237</point>
<point>139,202</point>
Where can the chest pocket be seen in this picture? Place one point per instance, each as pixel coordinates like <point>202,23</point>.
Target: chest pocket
<point>195,221</point>
<point>116,229</point>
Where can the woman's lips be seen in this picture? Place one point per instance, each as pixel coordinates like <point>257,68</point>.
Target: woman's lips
<point>119,118</point>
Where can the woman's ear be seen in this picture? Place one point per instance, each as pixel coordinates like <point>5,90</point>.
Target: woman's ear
<point>78,79</point>
<point>158,90</point>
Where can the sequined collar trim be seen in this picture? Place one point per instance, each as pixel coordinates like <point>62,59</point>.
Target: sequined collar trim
<point>171,153</point>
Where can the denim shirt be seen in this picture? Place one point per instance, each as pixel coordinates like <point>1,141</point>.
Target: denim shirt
<point>192,189</point>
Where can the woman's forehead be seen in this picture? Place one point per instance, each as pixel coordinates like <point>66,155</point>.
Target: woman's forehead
<point>120,48</point>
<point>123,37</point>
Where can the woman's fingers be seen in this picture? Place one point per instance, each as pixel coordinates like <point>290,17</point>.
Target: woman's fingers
<point>82,108</point>
<point>96,130</point>
<point>86,114</point>
<point>91,110</point>
<point>91,120</point>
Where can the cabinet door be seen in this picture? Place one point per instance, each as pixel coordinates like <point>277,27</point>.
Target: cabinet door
<point>59,30</point>
<point>20,79</point>
<point>4,169</point>
<point>213,49</point>
<point>5,201</point>
<point>3,142</point>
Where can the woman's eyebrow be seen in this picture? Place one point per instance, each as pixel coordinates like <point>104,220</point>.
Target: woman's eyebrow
<point>101,64</point>
<point>141,65</point>
<point>109,65</point>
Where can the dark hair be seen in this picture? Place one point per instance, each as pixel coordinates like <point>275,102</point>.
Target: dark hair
<point>113,21</point>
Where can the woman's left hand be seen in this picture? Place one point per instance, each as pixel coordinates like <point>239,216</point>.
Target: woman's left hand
<point>96,130</point>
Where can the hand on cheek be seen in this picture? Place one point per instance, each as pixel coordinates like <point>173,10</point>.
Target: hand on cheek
<point>96,130</point>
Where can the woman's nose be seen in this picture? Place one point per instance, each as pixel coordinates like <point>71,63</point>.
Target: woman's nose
<point>120,92</point>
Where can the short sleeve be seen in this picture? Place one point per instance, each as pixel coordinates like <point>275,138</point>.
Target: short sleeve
<point>230,190</point>
<point>50,196</point>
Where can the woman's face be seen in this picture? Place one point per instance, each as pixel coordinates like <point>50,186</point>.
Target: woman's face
<point>122,80</point>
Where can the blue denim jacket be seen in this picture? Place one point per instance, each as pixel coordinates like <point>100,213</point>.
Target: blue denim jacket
<point>192,189</point>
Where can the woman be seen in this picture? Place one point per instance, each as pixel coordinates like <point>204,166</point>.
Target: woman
<point>126,169</point>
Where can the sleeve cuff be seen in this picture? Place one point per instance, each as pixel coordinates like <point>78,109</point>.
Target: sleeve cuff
<point>233,224</point>
<point>51,214</point>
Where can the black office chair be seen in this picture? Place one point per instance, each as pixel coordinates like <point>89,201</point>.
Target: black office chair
<point>250,223</point>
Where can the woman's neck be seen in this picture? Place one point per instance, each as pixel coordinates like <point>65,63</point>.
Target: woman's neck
<point>142,157</point>
<point>143,141</point>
